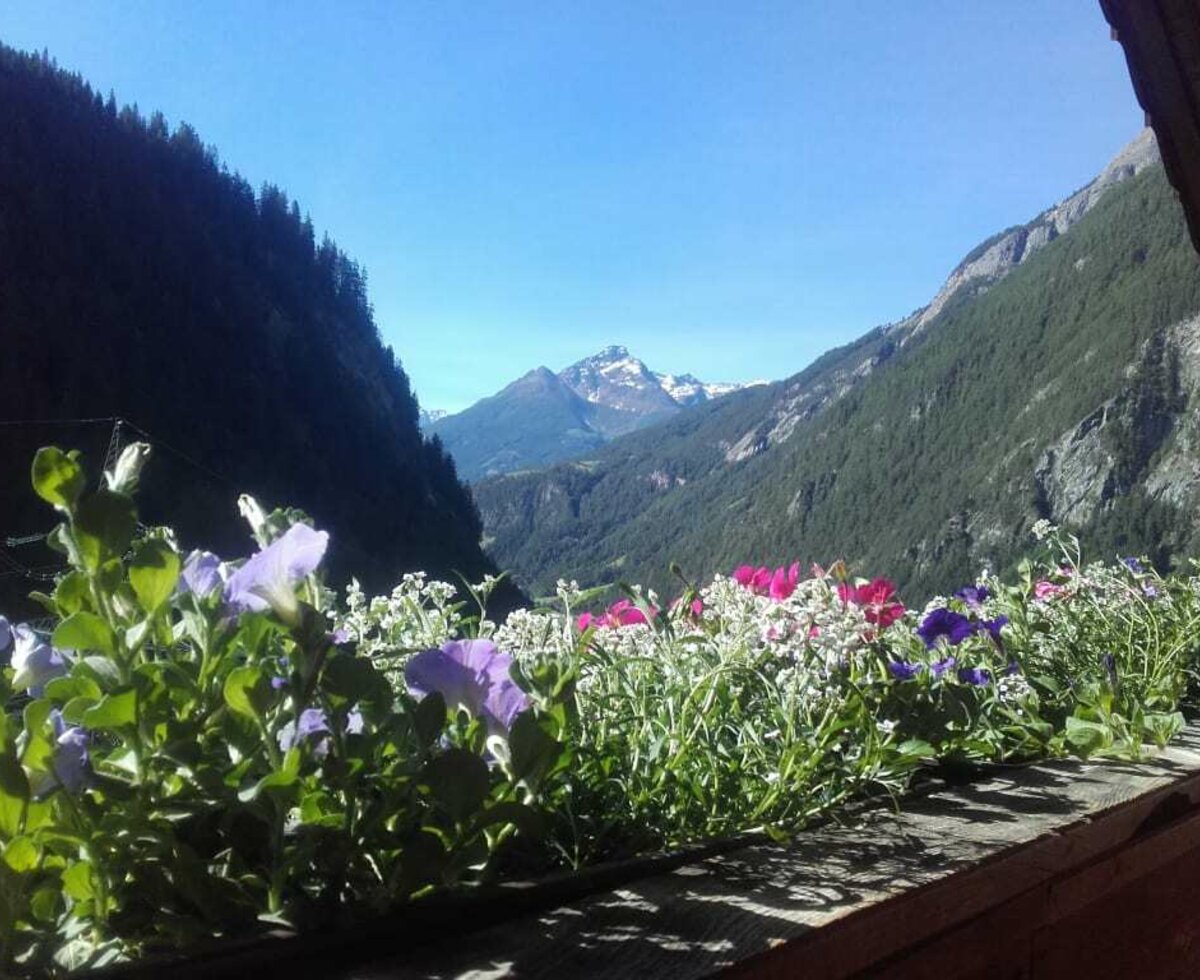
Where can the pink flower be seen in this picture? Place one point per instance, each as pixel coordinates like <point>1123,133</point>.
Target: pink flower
<point>695,608</point>
<point>778,584</point>
<point>620,613</point>
<point>1047,590</point>
<point>876,600</point>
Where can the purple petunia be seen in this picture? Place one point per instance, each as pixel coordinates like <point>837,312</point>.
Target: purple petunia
<point>269,578</point>
<point>70,765</point>
<point>470,674</point>
<point>313,728</point>
<point>941,666</point>
<point>992,627</point>
<point>201,575</point>
<point>973,595</point>
<point>955,627</point>
<point>902,670</point>
<point>1133,565</point>
<point>974,675</point>
<point>35,661</point>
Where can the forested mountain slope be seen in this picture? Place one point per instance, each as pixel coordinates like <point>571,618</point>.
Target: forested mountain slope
<point>1056,375</point>
<point>140,278</point>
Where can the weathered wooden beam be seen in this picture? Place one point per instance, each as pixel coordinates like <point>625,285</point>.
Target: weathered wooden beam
<point>1161,40</point>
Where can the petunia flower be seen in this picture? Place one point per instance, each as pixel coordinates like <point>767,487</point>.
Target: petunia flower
<point>974,675</point>
<point>1133,565</point>
<point>313,728</point>
<point>902,670</point>
<point>269,578</point>
<point>941,666</point>
<point>955,627</point>
<point>35,661</point>
<point>69,763</point>
<point>992,627</point>
<point>202,575</point>
<point>470,674</point>
<point>973,595</point>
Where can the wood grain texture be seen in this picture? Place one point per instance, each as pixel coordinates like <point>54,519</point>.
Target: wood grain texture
<point>943,884</point>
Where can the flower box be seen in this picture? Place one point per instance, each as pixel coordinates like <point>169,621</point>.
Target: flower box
<point>1060,869</point>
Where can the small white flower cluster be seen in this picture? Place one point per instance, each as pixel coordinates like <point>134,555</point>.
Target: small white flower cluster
<point>418,614</point>
<point>1014,689</point>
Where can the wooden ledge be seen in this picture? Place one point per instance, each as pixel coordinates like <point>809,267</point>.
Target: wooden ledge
<point>1055,870</point>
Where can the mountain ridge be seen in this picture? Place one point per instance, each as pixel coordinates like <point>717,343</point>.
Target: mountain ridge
<point>906,449</point>
<point>545,416</point>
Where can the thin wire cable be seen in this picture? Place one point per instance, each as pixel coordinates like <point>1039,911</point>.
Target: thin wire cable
<point>106,418</point>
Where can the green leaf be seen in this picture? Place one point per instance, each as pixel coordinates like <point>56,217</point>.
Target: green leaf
<point>103,670</point>
<point>21,854</point>
<point>44,904</point>
<point>1087,737</point>
<point>527,820</point>
<point>57,477</point>
<point>104,525</point>
<point>153,573</point>
<point>247,691</point>
<point>85,631</point>
<point>63,689</point>
<point>532,749</point>
<point>14,794</point>
<point>355,679</point>
<point>77,881</point>
<point>114,711</point>
<point>429,718</point>
<point>71,593</point>
<point>459,781</point>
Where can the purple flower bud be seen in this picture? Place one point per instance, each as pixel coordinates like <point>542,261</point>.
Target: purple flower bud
<point>1132,564</point>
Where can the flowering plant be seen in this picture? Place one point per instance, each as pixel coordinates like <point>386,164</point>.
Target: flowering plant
<point>191,749</point>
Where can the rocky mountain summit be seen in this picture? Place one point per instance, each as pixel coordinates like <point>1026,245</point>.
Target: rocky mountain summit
<point>543,417</point>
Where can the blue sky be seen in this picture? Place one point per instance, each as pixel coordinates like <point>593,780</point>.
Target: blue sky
<point>726,188</point>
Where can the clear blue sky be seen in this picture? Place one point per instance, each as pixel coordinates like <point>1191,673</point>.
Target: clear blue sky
<point>726,188</point>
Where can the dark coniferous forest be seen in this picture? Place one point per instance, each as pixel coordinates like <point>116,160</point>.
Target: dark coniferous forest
<point>141,278</point>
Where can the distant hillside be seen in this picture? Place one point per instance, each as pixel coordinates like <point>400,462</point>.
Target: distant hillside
<point>544,417</point>
<point>141,278</point>
<point>1056,374</point>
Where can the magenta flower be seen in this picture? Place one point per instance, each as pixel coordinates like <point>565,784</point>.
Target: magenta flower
<point>621,613</point>
<point>877,599</point>
<point>470,674</point>
<point>1046,590</point>
<point>778,584</point>
<point>269,578</point>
